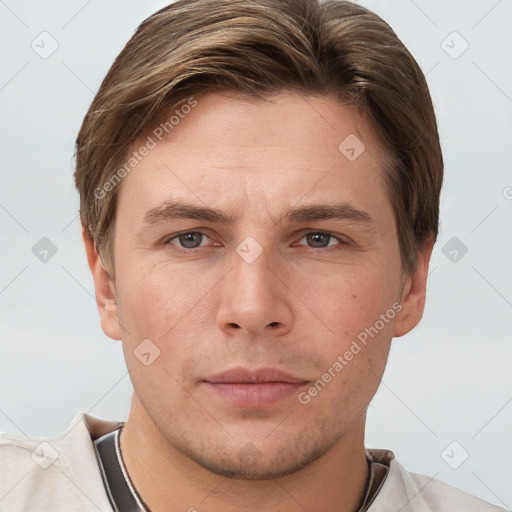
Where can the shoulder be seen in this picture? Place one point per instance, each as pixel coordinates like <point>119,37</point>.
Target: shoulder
<point>411,492</point>
<point>53,473</point>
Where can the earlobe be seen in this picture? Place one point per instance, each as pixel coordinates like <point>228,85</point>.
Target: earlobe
<point>104,290</point>
<point>414,294</point>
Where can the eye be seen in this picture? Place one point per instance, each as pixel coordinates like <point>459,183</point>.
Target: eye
<point>320,240</point>
<point>189,240</point>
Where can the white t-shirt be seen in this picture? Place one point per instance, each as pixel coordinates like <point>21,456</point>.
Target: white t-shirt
<point>61,474</point>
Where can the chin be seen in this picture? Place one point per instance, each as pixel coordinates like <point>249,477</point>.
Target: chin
<point>250,463</point>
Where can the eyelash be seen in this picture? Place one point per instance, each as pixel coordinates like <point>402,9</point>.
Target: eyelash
<point>341,242</point>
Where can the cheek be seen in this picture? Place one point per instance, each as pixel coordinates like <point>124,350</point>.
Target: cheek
<point>155,299</point>
<point>353,362</point>
<point>156,310</point>
<point>359,309</point>
<point>171,309</point>
<point>351,300</point>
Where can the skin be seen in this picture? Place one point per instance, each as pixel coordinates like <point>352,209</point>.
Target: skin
<point>296,307</point>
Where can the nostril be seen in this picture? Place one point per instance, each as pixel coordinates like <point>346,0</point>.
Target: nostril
<point>236,326</point>
<point>274,324</point>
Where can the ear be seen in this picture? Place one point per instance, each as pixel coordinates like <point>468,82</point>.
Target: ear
<point>413,294</point>
<point>104,288</point>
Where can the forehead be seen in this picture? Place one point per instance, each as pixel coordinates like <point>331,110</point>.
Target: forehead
<point>287,119</point>
<point>262,153</point>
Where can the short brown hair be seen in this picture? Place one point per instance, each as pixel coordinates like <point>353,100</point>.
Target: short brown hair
<point>258,48</point>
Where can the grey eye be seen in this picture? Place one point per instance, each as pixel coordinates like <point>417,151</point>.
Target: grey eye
<point>318,240</point>
<point>190,240</point>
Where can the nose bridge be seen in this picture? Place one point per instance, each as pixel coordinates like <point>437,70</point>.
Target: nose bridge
<point>253,298</point>
<point>251,272</point>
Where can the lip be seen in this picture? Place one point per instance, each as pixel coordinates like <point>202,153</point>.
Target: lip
<point>254,389</point>
<point>245,375</point>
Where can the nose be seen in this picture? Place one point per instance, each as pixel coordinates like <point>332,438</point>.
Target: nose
<point>255,299</point>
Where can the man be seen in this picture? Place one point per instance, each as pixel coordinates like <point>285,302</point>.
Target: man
<point>259,193</point>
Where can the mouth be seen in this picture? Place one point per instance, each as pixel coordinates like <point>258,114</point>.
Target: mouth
<point>255,389</point>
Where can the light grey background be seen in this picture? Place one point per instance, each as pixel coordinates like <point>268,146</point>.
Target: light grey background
<point>449,380</point>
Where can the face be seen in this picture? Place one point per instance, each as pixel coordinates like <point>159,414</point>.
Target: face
<point>258,281</point>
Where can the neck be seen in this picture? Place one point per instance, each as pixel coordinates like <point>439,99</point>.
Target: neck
<point>168,480</point>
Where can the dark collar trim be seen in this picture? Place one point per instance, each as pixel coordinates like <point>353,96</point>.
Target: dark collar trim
<point>120,490</point>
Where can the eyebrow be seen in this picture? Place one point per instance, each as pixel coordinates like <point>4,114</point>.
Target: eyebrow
<point>171,210</point>
<point>342,211</point>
